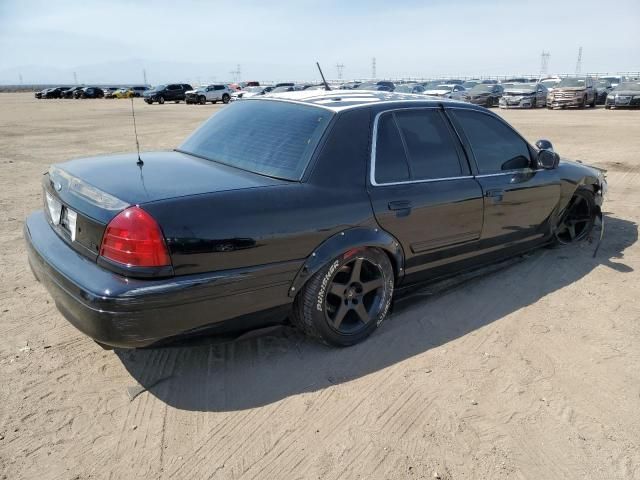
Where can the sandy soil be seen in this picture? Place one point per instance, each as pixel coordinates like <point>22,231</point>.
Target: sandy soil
<point>529,373</point>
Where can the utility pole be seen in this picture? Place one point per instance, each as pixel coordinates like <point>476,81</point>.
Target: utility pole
<point>544,63</point>
<point>339,68</point>
<point>144,76</point>
<point>20,76</point>
<point>579,62</point>
<point>75,78</point>
<point>373,68</point>
<point>236,73</point>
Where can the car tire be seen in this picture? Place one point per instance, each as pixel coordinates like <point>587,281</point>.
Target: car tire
<point>583,103</point>
<point>347,299</point>
<point>226,98</point>
<point>161,100</point>
<point>578,220</point>
<point>593,103</point>
<point>202,100</point>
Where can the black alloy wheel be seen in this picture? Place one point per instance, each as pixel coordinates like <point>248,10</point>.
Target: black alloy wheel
<point>354,295</point>
<point>578,219</point>
<point>345,301</point>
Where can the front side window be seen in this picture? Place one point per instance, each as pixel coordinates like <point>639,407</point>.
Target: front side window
<point>496,147</point>
<point>271,138</point>
<point>415,145</point>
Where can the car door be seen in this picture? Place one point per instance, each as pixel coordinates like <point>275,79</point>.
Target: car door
<point>421,188</point>
<point>518,198</point>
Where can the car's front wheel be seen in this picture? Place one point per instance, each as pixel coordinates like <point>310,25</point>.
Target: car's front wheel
<point>578,220</point>
<point>202,99</point>
<point>160,100</point>
<point>344,302</point>
<point>225,98</point>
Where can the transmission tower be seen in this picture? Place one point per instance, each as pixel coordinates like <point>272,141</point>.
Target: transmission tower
<point>339,68</point>
<point>75,78</point>
<point>20,76</point>
<point>544,63</point>
<point>144,75</point>
<point>579,62</point>
<point>236,73</point>
<point>373,68</point>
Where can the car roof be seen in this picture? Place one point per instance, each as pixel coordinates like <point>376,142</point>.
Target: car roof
<point>339,100</point>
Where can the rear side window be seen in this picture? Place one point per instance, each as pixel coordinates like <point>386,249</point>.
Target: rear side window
<point>496,147</point>
<point>430,145</point>
<point>390,160</point>
<point>270,138</point>
<point>415,145</point>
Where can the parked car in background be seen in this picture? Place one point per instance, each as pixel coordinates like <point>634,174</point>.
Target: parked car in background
<point>71,92</point>
<point>124,93</point>
<point>89,92</point>
<point>282,88</point>
<point>381,86</point>
<point>446,90</point>
<point>573,92</point>
<point>41,93</point>
<point>523,95</point>
<point>54,92</point>
<point>247,223</point>
<point>109,92</point>
<point>515,80</point>
<point>138,90</point>
<point>409,88</point>
<point>350,85</point>
<point>550,82</point>
<point>172,92</point>
<point>247,92</point>
<point>209,93</point>
<point>603,87</point>
<point>625,95</point>
<point>487,95</point>
<point>615,80</point>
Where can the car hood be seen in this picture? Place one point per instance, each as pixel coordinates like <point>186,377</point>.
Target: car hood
<point>436,92</point>
<point>569,89</point>
<point>519,92</point>
<point>625,92</point>
<point>163,175</point>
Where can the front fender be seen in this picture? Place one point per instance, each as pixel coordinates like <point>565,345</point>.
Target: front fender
<point>346,243</point>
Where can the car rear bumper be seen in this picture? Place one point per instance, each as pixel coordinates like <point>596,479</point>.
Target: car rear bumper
<point>123,312</point>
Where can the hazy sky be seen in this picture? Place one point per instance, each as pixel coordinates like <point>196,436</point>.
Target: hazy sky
<point>112,41</point>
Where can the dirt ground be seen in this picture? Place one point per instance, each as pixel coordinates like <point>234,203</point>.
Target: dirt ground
<point>529,373</point>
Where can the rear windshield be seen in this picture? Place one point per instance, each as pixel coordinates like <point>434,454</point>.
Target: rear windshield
<point>270,138</point>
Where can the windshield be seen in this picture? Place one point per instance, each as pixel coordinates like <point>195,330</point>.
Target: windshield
<point>270,138</point>
<point>159,87</point>
<point>520,87</point>
<point>572,82</point>
<point>547,83</point>
<point>482,87</point>
<point>627,86</point>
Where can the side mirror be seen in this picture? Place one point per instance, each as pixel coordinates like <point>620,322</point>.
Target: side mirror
<point>544,145</point>
<point>548,159</point>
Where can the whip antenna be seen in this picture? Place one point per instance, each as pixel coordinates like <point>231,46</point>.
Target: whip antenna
<point>135,131</point>
<point>326,85</point>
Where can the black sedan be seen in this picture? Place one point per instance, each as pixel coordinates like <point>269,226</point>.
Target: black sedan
<point>89,92</point>
<point>71,92</point>
<point>625,95</point>
<point>487,95</point>
<point>319,206</point>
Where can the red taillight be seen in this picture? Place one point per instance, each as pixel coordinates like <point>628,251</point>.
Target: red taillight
<point>134,238</point>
